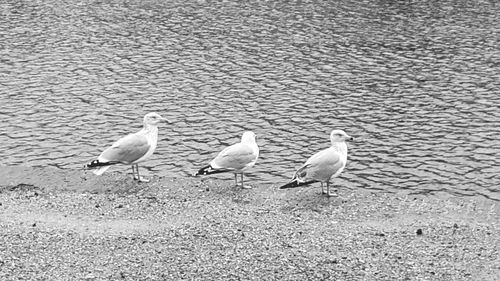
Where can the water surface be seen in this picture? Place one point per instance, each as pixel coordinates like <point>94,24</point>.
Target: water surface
<point>416,82</point>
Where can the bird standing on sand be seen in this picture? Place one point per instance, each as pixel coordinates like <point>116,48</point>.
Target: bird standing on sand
<point>131,149</point>
<point>323,165</point>
<point>236,158</point>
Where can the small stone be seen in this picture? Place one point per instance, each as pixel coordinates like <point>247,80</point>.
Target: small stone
<point>419,231</point>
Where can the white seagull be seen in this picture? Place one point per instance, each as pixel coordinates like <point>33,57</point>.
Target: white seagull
<point>131,149</point>
<point>324,165</point>
<point>236,158</point>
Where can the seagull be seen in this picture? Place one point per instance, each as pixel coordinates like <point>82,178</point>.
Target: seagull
<point>324,165</point>
<point>131,149</point>
<point>236,158</point>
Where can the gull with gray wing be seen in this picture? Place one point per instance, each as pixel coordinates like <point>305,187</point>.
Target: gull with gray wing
<point>131,149</point>
<point>236,158</point>
<point>324,165</point>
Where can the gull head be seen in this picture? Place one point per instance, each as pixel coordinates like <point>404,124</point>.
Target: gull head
<point>153,118</point>
<point>248,137</point>
<point>339,136</point>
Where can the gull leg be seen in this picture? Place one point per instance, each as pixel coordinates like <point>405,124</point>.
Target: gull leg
<point>322,188</point>
<point>236,180</point>
<point>133,172</point>
<point>328,190</point>
<point>242,185</point>
<point>139,178</point>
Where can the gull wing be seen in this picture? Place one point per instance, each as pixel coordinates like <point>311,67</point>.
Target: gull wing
<point>234,157</point>
<point>126,150</point>
<point>321,166</point>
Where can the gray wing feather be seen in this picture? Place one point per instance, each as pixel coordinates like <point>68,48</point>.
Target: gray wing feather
<point>236,157</point>
<point>127,149</point>
<point>321,166</point>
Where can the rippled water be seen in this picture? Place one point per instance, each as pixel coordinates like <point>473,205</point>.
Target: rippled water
<point>416,82</point>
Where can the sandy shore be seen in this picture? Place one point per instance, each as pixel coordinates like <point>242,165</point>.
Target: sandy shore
<point>71,225</point>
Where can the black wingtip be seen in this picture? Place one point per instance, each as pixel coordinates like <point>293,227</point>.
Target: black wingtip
<point>292,184</point>
<point>295,183</point>
<point>92,164</point>
<point>97,163</point>
<point>208,170</point>
<point>205,171</point>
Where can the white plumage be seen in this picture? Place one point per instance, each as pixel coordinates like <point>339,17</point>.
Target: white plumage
<point>236,158</point>
<point>131,149</point>
<point>324,165</point>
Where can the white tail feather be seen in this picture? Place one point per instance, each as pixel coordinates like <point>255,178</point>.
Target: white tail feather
<point>101,170</point>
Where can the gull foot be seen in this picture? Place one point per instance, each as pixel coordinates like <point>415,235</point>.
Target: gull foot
<point>244,186</point>
<point>141,179</point>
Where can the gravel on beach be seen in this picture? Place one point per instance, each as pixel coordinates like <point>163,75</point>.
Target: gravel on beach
<point>70,225</point>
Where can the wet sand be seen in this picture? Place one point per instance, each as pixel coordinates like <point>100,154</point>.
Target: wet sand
<point>70,225</point>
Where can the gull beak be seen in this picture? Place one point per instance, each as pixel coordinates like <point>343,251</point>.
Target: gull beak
<point>166,120</point>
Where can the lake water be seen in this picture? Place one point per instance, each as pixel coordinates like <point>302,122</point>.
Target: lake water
<point>415,82</point>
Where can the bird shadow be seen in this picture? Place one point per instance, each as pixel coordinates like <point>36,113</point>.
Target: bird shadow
<point>309,199</point>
